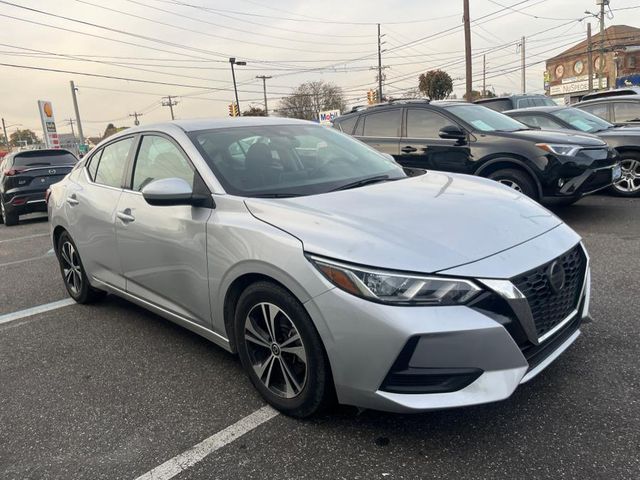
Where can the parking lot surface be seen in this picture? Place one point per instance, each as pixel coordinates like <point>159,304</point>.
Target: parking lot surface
<point>113,391</point>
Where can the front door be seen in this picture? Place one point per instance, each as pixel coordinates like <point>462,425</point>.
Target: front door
<point>163,248</point>
<point>422,147</point>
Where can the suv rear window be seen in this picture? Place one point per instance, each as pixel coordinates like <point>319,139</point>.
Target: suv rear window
<point>36,158</point>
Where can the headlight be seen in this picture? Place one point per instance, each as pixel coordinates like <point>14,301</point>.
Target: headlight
<point>396,288</point>
<point>569,150</point>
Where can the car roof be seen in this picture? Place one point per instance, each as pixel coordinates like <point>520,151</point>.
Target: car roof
<point>547,108</point>
<point>612,98</point>
<point>515,95</point>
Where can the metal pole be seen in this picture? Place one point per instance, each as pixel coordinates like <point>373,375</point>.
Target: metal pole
<point>379,65</point>
<point>467,49</point>
<point>232,61</point>
<point>72,130</point>
<point>589,58</point>
<point>522,60</point>
<point>77,110</point>
<point>171,108</point>
<point>264,89</point>
<point>484,76</point>
<point>6,137</point>
<point>601,66</point>
<point>169,103</point>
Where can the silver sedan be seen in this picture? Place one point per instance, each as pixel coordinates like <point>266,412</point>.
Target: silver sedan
<point>332,272</point>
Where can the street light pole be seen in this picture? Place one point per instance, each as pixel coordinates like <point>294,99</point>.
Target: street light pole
<point>232,61</point>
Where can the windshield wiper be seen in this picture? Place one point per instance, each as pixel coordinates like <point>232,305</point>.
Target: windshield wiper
<point>363,182</point>
<point>275,195</point>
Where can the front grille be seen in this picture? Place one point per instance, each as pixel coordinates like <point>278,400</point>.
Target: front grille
<point>550,307</point>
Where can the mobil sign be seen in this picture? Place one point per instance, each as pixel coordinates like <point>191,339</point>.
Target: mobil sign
<point>328,116</point>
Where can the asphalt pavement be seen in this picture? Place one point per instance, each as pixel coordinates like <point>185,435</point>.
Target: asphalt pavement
<point>113,391</point>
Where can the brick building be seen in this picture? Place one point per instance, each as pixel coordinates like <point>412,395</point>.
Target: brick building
<point>566,75</point>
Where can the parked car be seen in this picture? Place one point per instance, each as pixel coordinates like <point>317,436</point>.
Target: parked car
<point>551,167</point>
<point>25,177</point>
<point>625,140</point>
<point>308,251</point>
<point>611,93</point>
<point>619,110</point>
<point>510,102</point>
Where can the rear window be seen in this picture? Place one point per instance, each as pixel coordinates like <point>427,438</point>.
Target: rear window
<point>499,104</point>
<point>36,159</point>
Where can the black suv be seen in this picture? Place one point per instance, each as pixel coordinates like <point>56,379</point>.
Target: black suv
<point>626,140</point>
<point>26,176</point>
<point>500,104</point>
<point>618,109</point>
<point>551,167</point>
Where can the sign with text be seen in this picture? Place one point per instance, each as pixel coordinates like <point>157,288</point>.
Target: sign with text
<point>575,87</point>
<point>51,138</point>
<point>328,116</point>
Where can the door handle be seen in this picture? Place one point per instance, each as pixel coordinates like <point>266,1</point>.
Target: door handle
<point>125,216</point>
<point>72,200</point>
<point>409,149</point>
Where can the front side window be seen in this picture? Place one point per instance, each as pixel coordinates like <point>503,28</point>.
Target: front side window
<point>383,124</point>
<point>159,158</point>
<point>582,120</point>
<point>626,111</point>
<point>289,160</point>
<point>113,161</point>
<point>425,123</point>
<point>484,119</point>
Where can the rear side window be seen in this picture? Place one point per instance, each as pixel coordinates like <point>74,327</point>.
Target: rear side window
<point>93,165</point>
<point>113,161</point>
<point>626,111</point>
<point>424,123</point>
<point>347,125</point>
<point>383,124</point>
<point>44,159</point>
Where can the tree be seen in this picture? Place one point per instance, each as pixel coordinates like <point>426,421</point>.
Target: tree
<point>112,129</point>
<point>310,98</point>
<point>435,84</point>
<point>20,138</point>
<point>254,111</point>
<point>475,95</point>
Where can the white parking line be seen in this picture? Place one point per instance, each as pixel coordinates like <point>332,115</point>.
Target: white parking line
<point>25,260</point>
<point>28,312</point>
<point>28,237</point>
<point>180,463</point>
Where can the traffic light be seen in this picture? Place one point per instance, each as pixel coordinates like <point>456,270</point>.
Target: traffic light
<point>372,97</point>
<point>233,110</point>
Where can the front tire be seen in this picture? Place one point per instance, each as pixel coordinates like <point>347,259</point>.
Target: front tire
<point>73,272</point>
<point>629,184</point>
<point>517,180</point>
<point>281,350</point>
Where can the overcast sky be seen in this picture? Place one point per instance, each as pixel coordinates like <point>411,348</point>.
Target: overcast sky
<point>187,43</point>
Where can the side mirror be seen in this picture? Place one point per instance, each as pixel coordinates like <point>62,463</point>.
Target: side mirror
<point>174,191</point>
<point>453,132</point>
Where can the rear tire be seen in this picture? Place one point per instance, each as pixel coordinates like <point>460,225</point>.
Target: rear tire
<point>517,180</point>
<point>629,184</point>
<point>73,272</point>
<point>10,219</point>
<point>281,351</point>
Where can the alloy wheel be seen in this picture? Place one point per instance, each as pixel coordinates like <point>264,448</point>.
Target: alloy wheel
<point>511,184</point>
<point>71,267</point>
<point>276,351</point>
<point>630,180</point>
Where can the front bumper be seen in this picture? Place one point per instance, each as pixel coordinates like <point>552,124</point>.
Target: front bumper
<point>365,341</point>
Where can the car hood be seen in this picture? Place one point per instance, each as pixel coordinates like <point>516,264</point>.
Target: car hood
<point>632,133</point>
<point>422,224</point>
<point>554,136</point>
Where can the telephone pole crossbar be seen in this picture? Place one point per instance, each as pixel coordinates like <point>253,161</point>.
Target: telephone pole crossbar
<point>169,101</point>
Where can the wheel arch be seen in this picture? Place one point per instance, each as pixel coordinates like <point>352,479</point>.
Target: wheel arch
<point>501,163</point>
<point>629,149</point>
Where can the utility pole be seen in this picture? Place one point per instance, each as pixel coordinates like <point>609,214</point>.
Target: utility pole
<point>233,61</point>
<point>6,137</point>
<point>484,76</point>
<point>601,66</point>
<point>77,110</point>
<point>169,102</point>
<point>467,49</point>
<point>264,89</point>
<point>71,121</point>
<point>379,65</point>
<point>522,60</point>
<point>135,115</point>
<point>589,58</point>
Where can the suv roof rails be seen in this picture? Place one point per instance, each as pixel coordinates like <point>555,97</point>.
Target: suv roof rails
<point>407,100</point>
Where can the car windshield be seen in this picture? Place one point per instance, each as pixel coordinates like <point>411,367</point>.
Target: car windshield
<point>484,119</point>
<point>582,120</point>
<point>36,158</point>
<point>291,160</point>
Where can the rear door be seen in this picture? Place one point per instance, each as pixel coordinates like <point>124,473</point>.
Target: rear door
<point>422,147</point>
<point>91,202</point>
<point>163,249</point>
<point>381,130</point>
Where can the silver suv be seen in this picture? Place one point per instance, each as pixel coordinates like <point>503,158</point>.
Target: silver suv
<point>330,270</point>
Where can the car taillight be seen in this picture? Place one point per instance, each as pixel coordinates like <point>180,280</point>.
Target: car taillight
<point>12,171</point>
